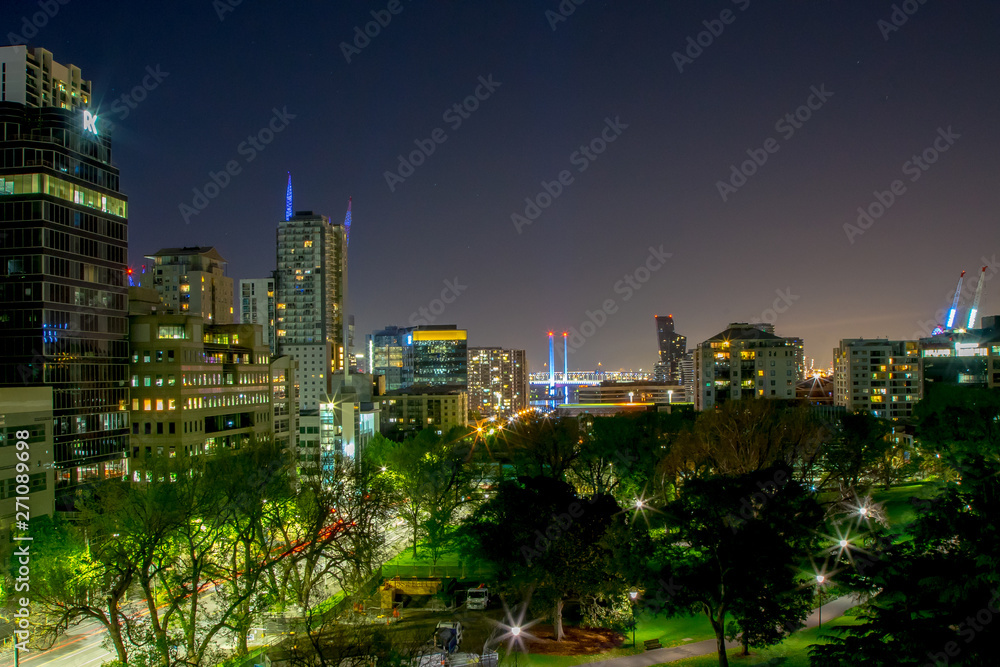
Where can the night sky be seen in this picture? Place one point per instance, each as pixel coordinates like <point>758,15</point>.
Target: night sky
<point>780,236</point>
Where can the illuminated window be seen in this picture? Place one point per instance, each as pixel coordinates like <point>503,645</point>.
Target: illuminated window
<point>147,404</point>
<point>135,403</point>
<point>159,404</point>
<point>171,404</point>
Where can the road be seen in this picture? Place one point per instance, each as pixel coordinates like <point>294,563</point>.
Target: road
<point>81,645</point>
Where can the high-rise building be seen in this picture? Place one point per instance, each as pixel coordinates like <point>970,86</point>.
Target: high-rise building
<point>743,361</point>
<point>196,387</point>
<point>192,281</point>
<point>310,305</point>
<point>257,306</point>
<point>285,403</point>
<point>385,355</point>
<point>878,376</point>
<point>436,356</point>
<point>498,381</point>
<point>63,253</point>
<point>672,347</point>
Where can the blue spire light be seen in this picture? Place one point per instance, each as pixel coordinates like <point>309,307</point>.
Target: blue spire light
<point>288,198</point>
<point>347,223</point>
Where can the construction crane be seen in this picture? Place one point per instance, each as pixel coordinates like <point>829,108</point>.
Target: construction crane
<point>954,303</point>
<point>975,303</point>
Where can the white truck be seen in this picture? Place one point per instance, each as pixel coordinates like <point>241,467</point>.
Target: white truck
<point>477,598</point>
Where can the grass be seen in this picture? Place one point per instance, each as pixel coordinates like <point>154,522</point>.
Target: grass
<point>793,652</point>
<point>899,510</point>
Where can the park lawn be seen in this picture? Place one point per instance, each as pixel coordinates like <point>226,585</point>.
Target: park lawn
<point>793,652</point>
<point>670,632</point>
<point>405,557</point>
<point>899,510</point>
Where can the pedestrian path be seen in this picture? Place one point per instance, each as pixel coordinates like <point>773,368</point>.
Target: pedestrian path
<point>831,610</point>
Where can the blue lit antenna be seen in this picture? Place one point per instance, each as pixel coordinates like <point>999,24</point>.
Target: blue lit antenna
<point>347,222</point>
<point>288,198</point>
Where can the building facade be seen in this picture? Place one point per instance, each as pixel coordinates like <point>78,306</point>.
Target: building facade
<point>285,404</point>
<point>744,361</point>
<point>416,408</point>
<point>310,303</point>
<point>964,358</point>
<point>878,376</point>
<point>192,281</point>
<point>385,356</point>
<point>196,387</point>
<point>63,253</point>
<point>258,300</point>
<point>672,347</point>
<point>498,381</point>
<point>436,356</point>
<point>26,429</point>
<point>632,392</point>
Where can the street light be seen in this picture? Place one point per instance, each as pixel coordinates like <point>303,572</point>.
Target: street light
<point>820,580</point>
<point>633,595</point>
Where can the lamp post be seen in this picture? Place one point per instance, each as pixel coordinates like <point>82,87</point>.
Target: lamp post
<point>633,595</point>
<point>819,580</point>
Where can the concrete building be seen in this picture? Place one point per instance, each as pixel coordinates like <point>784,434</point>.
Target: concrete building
<point>196,387</point>
<point>964,358</point>
<point>311,254</point>
<point>258,300</point>
<point>416,408</point>
<point>672,347</point>
<point>878,376</point>
<point>33,79</point>
<point>285,404</point>
<point>26,426</point>
<point>63,281</point>
<point>192,281</point>
<point>632,392</point>
<point>744,361</point>
<point>498,381</point>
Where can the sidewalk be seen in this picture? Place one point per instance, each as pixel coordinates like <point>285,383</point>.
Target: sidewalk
<point>831,610</point>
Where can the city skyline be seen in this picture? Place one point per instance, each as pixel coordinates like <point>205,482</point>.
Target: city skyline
<point>537,97</point>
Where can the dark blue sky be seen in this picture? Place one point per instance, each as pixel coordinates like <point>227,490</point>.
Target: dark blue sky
<point>655,184</point>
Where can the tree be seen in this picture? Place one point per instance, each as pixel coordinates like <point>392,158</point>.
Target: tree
<point>856,450</point>
<point>433,477</point>
<point>932,598</point>
<point>542,446</point>
<point>551,545</point>
<point>735,544</point>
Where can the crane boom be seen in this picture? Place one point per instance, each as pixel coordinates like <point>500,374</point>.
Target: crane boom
<point>975,303</point>
<point>954,303</point>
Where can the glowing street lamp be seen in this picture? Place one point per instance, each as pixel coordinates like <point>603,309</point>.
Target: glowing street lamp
<point>633,595</point>
<point>820,580</point>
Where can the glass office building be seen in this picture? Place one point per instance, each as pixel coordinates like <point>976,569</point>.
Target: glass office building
<point>63,253</point>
